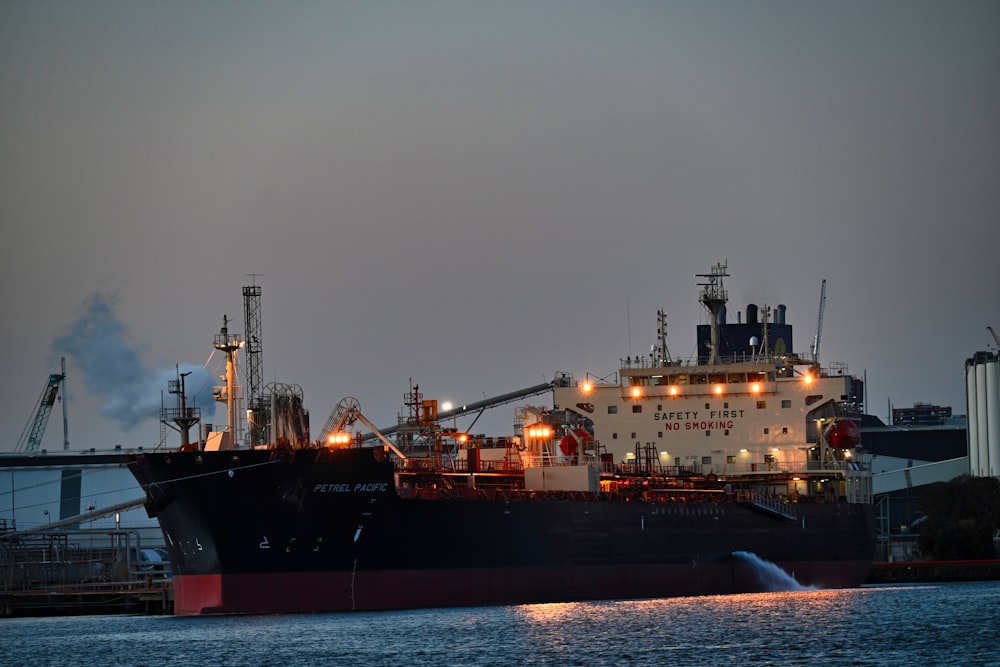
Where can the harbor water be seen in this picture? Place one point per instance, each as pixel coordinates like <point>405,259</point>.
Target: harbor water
<point>939,624</point>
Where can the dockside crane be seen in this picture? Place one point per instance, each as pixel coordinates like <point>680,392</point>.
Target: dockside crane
<point>34,430</point>
<point>819,322</point>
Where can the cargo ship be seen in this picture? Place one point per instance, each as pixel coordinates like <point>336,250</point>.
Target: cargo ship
<point>672,478</point>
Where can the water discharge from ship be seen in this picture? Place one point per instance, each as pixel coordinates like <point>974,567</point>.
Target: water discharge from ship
<point>772,577</point>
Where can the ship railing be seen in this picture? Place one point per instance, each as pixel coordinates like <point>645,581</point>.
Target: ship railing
<point>421,464</point>
<point>652,361</point>
<point>553,461</point>
<point>836,465</point>
<point>792,465</point>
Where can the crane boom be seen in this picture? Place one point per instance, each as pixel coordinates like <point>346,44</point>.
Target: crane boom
<point>346,412</point>
<point>41,414</point>
<point>819,322</point>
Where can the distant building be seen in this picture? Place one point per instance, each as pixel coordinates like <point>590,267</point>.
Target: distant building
<point>921,414</point>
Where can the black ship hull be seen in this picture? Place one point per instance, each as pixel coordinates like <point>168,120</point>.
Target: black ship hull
<point>327,530</point>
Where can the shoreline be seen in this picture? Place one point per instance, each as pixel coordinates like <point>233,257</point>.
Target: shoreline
<point>932,571</point>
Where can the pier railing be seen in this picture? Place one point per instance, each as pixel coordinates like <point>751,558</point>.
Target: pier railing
<point>86,557</point>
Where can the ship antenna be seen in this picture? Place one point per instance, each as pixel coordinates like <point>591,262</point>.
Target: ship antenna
<point>764,319</point>
<point>661,331</point>
<point>628,327</point>
<point>713,296</point>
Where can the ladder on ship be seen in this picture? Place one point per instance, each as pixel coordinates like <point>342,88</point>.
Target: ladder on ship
<point>771,506</point>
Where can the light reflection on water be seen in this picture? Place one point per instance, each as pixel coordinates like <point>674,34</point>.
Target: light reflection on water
<point>948,624</point>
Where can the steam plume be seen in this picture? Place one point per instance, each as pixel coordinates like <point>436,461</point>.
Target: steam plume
<point>97,342</point>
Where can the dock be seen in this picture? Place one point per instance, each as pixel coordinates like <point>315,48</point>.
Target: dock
<point>150,598</point>
<point>60,570</point>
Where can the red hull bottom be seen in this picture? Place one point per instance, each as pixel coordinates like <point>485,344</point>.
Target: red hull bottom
<point>414,589</point>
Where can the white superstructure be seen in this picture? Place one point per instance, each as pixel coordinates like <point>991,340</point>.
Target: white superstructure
<point>738,417</point>
<point>746,406</point>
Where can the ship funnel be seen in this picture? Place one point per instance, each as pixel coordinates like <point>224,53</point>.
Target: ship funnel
<point>752,313</point>
<point>779,313</point>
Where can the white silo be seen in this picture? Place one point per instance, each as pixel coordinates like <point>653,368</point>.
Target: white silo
<point>981,418</point>
<point>972,424</point>
<point>982,388</point>
<point>992,371</point>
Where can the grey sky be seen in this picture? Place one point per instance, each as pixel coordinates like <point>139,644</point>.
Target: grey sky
<point>476,195</point>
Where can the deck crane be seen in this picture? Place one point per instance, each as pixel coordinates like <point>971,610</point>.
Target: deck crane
<point>819,322</point>
<point>344,415</point>
<point>31,439</point>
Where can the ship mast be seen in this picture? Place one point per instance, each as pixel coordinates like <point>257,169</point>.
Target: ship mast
<point>662,353</point>
<point>229,344</point>
<point>181,417</point>
<point>713,296</point>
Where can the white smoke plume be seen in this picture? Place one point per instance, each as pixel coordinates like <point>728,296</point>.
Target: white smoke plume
<point>97,342</point>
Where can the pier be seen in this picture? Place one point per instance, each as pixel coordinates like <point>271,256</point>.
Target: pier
<point>83,571</point>
<point>153,597</point>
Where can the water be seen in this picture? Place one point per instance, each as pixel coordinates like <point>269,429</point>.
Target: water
<point>942,624</point>
<point>771,577</point>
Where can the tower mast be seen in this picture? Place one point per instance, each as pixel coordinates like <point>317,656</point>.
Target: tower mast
<point>229,344</point>
<point>713,296</point>
<point>258,412</point>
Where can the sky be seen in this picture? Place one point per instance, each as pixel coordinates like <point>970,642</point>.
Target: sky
<point>473,196</point>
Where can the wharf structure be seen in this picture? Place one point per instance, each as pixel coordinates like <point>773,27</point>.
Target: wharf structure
<point>75,539</point>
